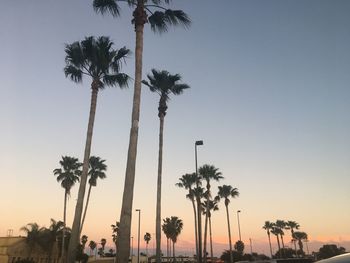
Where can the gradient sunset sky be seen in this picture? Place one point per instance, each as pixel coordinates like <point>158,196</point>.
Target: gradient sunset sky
<point>270,98</point>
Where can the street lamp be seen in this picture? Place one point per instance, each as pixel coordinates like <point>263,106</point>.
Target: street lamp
<point>239,226</point>
<point>138,237</point>
<point>199,214</point>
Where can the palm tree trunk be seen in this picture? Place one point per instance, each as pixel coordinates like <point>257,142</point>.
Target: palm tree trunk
<point>174,251</point>
<point>74,239</point>
<point>140,19</point>
<point>86,206</point>
<point>211,241</point>
<point>64,224</point>
<point>283,252</point>
<point>229,233</point>
<point>199,221</point>
<point>195,224</point>
<point>268,234</point>
<point>159,189</point>
<point>206,225</point>
<point>279,246</point>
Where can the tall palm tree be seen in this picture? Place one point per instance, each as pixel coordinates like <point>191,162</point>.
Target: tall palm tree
<point>225,192</point>
<point>213,206</point>
<point>95,58</point>
<point>187,181</point>
<point>97,169</point>
<point>68,175</point>
<point>164,84</point>
<point>208,173</point>
<point>293,225</point>
<point>147,238</point>
<point>300,236</point>
<point>160,18</point>
<point>277,231</point>
<point>281,224</point>
<point>268,226</point>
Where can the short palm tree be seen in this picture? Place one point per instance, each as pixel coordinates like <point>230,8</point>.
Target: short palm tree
<point>188,181</point>
<point>95,58</point>
<point>164,84</point>
<point>55,229</point>
<point>268,226</point>
<point>97,169</point>
<point>147,238</point>
<point>115,235</point>
<point>292,225</point>
<point>300,236</point>
<point>84,240</point>
<point>92,246</point>
<point>68,175</point>
<point>33,234</point>
<point>213,206</point>
<point>103,244</point>
<point>160,18</point>
<point>226,192</point>
<point>281,224</point>
<point>208,173</point>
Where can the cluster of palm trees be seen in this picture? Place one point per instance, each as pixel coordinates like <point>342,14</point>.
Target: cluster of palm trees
<point>46,238</point>
<point>204,203</point>
<point>69,173</point>
<point>95,58</point>
<point>277,228</point>
<point>172,228</point>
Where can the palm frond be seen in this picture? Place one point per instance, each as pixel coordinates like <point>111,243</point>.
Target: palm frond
<point>120,79</point>
<point>119,58</point>
<point>177,17</point>
<point>107,6</point>
<point>158,22</point>
<point>73,73</point>
<point>179,88</point>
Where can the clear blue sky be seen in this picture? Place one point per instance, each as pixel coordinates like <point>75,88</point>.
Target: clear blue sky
<point>269,96</point>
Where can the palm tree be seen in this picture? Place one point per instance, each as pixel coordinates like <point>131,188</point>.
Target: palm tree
<point>115,235</point>
<point>92,246</point>
<point>213,206</point>
<point>227,191</point>
<point>160,18</point>
<point>208,173</point>
<point>268,226</point>
<point>103,244</point>
<point>55,229</point>
<point>281,225</point>
<point>33,232</point>
<point>147,238</point>
<point>293,225</point>
<point>277,231</point>
<point>84,240</point>
<point>93,57</point>
<point>300,236</point>
<point>68,175</point>
<point>165,84</point>
<point>97,170</point>
<point>172,228</point>
<point>187,181</point>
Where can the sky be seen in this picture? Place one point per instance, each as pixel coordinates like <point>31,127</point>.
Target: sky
<point>269,97</point>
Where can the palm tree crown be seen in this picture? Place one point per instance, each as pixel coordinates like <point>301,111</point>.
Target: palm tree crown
<point>69,172</point>
<point>227,191</point>
<point>163,83</point>
<point>95,57</point>
<point>160,20</point>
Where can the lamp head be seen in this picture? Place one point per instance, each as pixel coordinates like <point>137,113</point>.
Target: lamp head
<point>199,142</point>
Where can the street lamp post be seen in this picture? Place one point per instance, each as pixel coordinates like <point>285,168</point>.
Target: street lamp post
<point>138,237</point>
<point>239,226</point>
<point>132,247</point>
<point>199,214</point>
